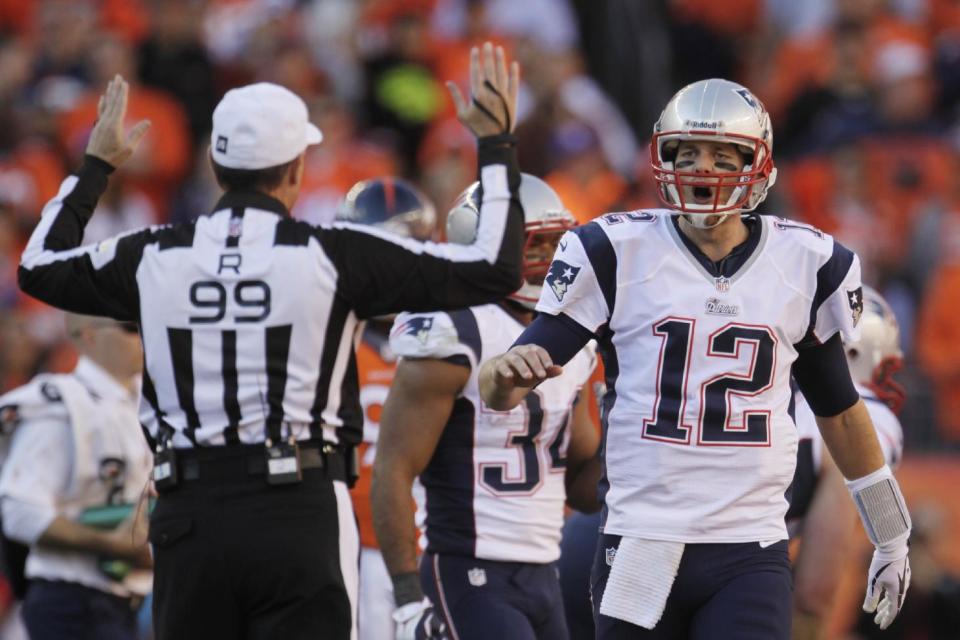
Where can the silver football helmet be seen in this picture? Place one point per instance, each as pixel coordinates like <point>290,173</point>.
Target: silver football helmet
<point>719,111</point>
<point>543,214</point>
<point>876,356</point>
<point>392,204</point>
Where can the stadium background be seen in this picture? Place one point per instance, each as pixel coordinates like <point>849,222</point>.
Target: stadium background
<point>864,97</point>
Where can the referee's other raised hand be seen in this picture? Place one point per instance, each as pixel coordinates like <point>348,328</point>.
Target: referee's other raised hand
<point>492,106</point>
<point>108,141</point>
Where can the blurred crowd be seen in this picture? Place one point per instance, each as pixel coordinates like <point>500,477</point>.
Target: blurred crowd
<point>864,97</point>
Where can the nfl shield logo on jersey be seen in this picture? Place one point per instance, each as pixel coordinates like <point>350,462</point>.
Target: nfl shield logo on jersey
<point>855,300</point>
<point>560,277</point>
<point>477,576</point>
<point>722,283</point>
<point>611,555</point>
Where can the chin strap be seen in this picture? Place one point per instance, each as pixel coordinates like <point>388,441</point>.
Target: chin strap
<point>697,220</point>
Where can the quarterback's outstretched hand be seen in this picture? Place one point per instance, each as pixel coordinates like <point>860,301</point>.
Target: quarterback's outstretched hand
<point>506,379</point>
<point>889,576</point>
<point>525,365</point>
<point>108,140</point>
<point>492,107</point>
<point>419,621</point>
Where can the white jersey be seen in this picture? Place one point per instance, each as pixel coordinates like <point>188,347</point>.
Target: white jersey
<point>810,454</point>
<point>494,488</point>
<point>76,445</point>
<point>699,445</point>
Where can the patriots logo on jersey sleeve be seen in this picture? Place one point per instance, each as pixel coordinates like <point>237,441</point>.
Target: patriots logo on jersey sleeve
<point>855,300</point>
<point>417,326</point>
<point>560,277</point>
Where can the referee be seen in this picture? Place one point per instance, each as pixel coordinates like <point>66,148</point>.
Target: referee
<point>249,320</point>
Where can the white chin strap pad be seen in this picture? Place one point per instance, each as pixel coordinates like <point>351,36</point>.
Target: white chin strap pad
<point>882,507</point>
<point>700,220</point>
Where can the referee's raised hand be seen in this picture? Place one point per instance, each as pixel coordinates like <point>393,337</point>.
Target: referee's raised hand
<point>492,107</point>
<point>108,141</point>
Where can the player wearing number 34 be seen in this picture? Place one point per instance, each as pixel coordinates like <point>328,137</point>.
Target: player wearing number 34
<point>702,311</point>
<point>494,483</point>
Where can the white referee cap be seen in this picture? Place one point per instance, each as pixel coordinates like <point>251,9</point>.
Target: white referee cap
<point>260,125</point>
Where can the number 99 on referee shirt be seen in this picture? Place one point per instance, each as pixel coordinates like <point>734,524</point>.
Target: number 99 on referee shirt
<point>211,297</point>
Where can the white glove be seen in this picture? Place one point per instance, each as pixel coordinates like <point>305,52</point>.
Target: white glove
<point>889,575</point>
<point>419,621</point>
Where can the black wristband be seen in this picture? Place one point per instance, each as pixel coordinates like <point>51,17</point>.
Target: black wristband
<point>406,588</point>
<point>93,162</point>
<point>498,140</point>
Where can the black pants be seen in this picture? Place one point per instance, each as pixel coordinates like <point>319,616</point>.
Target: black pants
<point>238,558</point>
<point>57,610</point>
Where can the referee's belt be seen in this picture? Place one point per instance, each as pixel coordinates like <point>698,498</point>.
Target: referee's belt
<point>245,460</point>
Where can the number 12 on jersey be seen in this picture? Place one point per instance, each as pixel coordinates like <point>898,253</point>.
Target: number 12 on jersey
<point>716,426</point>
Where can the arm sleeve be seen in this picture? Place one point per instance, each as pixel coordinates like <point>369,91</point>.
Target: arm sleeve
<point>96,279</point>
<point>823,376</point>
<point>562,337</point>
<point>381,273</point>
<point>34,475</point>
<point>581,281</point>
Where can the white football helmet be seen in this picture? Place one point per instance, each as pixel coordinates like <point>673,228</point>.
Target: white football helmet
<point>543,213</point>
<point>720,111</point>
<point>876,356</point>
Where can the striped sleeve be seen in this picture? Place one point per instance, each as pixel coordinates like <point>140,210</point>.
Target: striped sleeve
<point>581,282</point>
<point>838,300</point>
<point>95,279</point>
<point>380,273</point>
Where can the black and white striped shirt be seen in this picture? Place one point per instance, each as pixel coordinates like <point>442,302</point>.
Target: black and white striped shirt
<point>249,318</point>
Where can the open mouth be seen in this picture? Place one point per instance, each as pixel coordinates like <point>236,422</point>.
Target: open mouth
<point>703,194</point>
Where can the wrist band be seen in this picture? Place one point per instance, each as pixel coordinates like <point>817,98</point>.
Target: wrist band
<point>881,506</point>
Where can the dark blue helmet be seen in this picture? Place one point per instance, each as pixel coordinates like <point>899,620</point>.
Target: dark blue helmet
<point>392,204</point>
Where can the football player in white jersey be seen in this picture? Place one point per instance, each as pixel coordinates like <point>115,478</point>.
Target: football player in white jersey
<point>820,511</point>
<point>394,205</point>
<point>702,311</point>
<point>493,483</point>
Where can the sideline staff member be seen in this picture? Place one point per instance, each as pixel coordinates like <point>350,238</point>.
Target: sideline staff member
<point>76,445</point>
<point>249,319</point>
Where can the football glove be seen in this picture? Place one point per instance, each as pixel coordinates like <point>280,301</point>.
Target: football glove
<point>419,621</point>
<point>889,577</point>
<point>886,522</point>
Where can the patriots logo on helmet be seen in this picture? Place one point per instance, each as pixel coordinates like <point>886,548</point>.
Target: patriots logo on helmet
<point>855,300</point>
<point>417,326</point>
<point>748,98</point>
<point>560,277</point>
